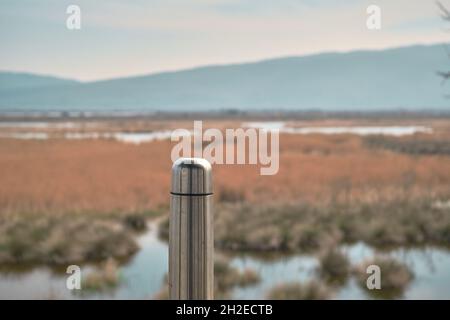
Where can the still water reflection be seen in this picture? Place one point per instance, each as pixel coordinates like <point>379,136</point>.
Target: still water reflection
<point>142,276</point>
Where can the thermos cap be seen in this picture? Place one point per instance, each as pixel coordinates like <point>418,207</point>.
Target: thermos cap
<point>191,176</point>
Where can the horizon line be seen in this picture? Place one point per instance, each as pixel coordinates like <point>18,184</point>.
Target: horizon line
<point>236,63</point>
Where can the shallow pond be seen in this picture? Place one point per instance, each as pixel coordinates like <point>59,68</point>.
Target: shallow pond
<point>142,276</point>
<point>144,137</point>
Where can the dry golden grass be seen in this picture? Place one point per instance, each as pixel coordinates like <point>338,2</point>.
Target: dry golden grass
<point>60,175</point>
<point>104,175</point>
<point>102,189</point>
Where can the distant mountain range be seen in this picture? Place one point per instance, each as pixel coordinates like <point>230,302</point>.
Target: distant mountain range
<point>391,79</point>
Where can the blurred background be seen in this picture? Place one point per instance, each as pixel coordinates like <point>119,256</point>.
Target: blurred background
<point>86,116</point>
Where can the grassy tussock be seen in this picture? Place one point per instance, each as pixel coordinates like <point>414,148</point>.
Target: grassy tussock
<point>312,290</point>
<point>227,277</point>
<point>334,267</point>
<point>301,227</point>
<point>67,238</point>
<point>103,279</point>
<point>395,278</point>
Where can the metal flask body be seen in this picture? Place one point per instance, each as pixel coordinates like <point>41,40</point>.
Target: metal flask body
<point>191,237</point>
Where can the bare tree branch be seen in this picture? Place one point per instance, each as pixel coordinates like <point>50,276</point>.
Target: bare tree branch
<point>444,75</point>
<point>445,13</point>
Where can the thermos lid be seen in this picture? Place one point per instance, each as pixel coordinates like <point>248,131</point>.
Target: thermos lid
<point>191,176</point>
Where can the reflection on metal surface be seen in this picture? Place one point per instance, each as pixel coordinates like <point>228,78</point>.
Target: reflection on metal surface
<point>191,239</point>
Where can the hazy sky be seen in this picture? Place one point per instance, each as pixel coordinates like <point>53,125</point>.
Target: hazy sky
<point>120,38</point>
